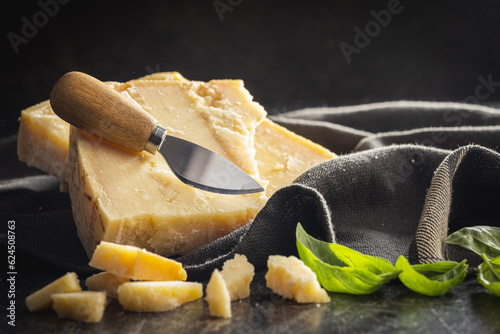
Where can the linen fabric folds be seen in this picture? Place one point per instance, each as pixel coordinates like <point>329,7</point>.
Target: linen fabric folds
<point>408,174</point>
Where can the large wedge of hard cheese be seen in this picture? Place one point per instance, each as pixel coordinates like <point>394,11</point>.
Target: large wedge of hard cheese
<point>43,142</point>
<point>133,198</point>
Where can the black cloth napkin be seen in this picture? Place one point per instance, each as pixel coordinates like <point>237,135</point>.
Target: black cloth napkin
<point>408,174</point>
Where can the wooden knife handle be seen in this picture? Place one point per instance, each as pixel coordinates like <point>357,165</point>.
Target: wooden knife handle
<point>98,109</point>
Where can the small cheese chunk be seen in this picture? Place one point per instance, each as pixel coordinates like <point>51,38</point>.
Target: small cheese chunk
<point>40,299</point>
<point>157,296</point>
<point>106,282</point>
<point>218,297</point>
<point>135,263</point>
<point>291,278</point>
<point>238,273</point>
<point>84,306</point>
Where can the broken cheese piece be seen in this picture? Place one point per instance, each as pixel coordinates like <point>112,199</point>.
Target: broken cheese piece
<point>84,306</point>
<point>40,299</point>
<point>157,296</point>
<point>291,278</point>
<point>218,297</point>
<point>106,282</point>
<point>43,142</point>
<point>238,273</point>
<point>135,263</point>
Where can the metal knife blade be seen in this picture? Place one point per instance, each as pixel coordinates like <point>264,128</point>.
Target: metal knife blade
<point>91,105</point>
<point>204,169</point>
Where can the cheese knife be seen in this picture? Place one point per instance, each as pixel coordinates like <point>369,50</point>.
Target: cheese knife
<point>98,109</point>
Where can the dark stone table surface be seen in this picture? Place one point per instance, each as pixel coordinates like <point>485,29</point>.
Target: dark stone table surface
<point>393,309</point>
<point>289,55</point>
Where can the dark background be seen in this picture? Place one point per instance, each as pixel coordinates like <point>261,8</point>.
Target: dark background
<point>287,52</point>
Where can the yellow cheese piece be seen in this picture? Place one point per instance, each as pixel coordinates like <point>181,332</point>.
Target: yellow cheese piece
<point>135,263</point>
<point>106,282</point>
<point>218,297</point>
<point>157,296</point>
<point>41,300</point>
<point>123,214</point>
<point>291,278</point>
<point>238,273</point>
<point>84,306</point>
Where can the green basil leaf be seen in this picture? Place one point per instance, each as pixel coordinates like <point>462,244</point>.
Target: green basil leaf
<point>479,239</point>
<point>489,274</point>
<point>341,269</point>
<point>431,279</point>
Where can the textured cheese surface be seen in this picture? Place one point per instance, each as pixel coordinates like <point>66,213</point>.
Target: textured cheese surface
<point>282,155</point>
<point>133,198</point>
<point>157,296</point>
<point>84,306</point>
<point>40,299</point>
<point>43,140</point>
<point>130,213</point>
<point>238,274</point>
<point>291,278</point>
<point>218,297</point>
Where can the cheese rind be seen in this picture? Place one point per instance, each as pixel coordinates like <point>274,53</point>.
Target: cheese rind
<point>40,299</point>
<point>84,306</point>
<point>135,263</point>
<point>291,278</point>
<point>106,282</point>
<point>218,296</point>
<point>157,296</point>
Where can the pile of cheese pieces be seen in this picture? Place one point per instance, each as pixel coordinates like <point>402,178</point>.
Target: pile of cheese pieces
<point>146,282</point>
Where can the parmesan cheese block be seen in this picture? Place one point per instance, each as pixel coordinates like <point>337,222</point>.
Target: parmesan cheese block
<point>84,306</point>
<point>238,273</point>
<point>133,198</point>
<point>157,296</point>
<point>107,206</point>
<point>41,299</point>
<point>106,282</point>
<point>291,278</point>
<point>218,297</point>
<point>135,263</point>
